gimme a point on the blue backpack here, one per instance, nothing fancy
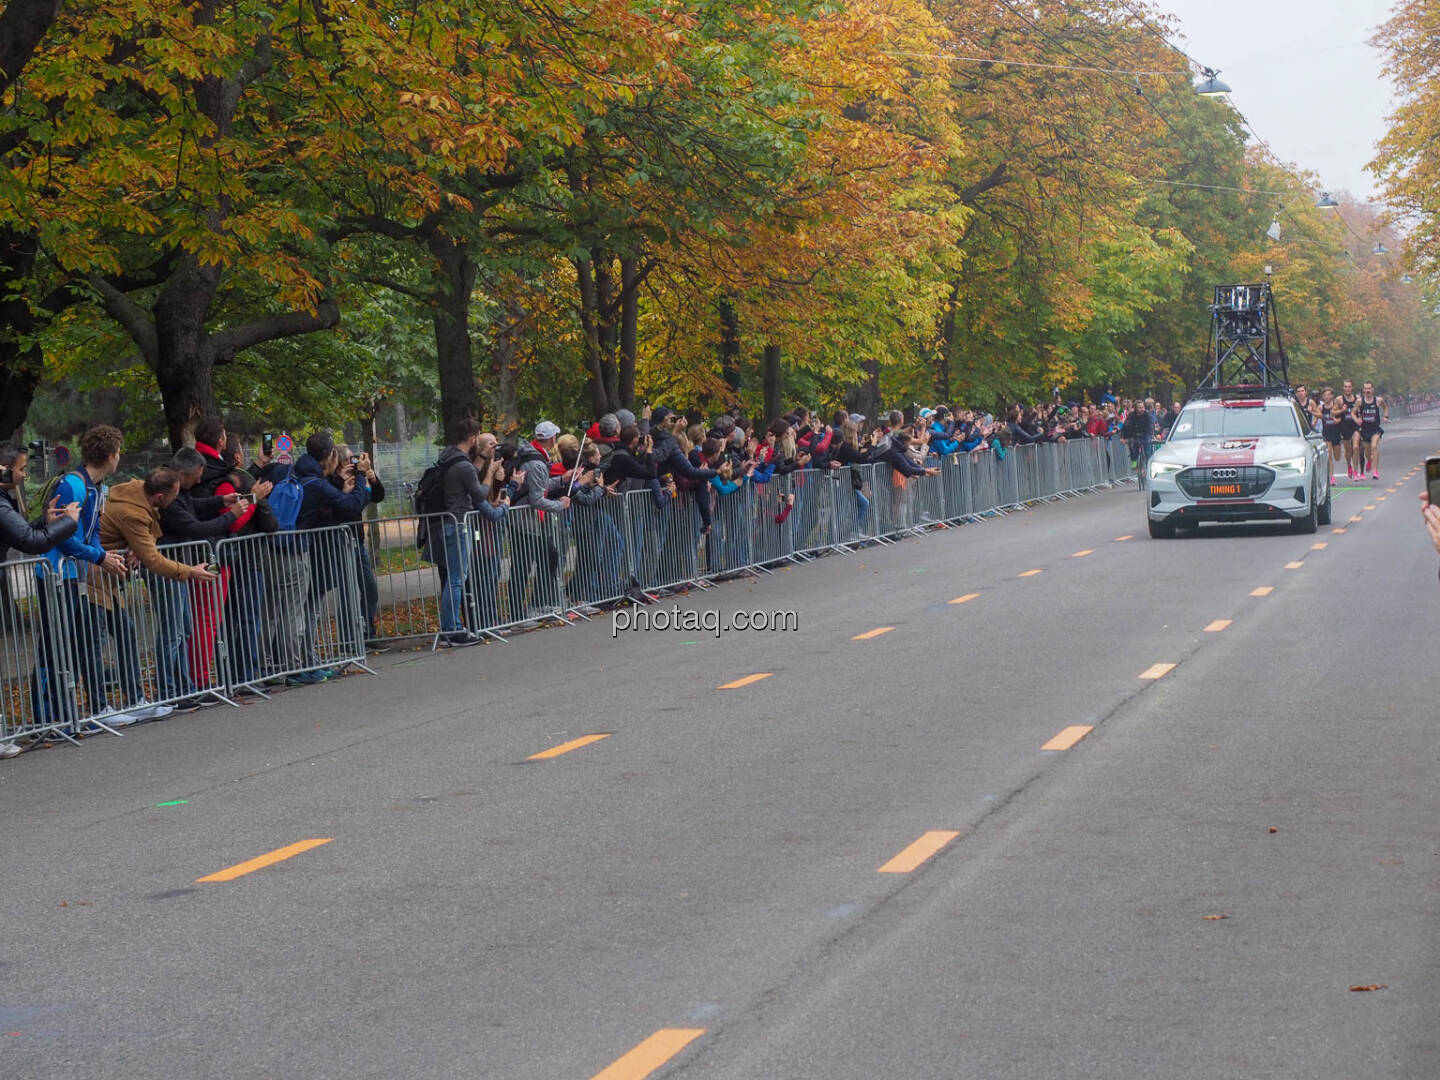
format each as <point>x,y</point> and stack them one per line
<point>286,498</point>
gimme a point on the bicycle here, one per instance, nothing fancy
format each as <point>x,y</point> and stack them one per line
<point>1140,455</point>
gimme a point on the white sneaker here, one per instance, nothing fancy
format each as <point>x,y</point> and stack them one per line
<point>151,712</point>
<point>119,719</point>
<point>10,750</point>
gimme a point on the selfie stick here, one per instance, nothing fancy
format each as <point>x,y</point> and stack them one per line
<point>576,471</point>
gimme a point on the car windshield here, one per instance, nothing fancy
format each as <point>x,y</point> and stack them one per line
<point>1210,420</point>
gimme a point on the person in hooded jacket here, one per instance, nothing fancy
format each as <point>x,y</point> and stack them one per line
<point>533,533</point>
<point>447,547</point>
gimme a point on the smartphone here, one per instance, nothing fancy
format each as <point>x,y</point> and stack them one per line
<point>214,568</point>
<point>269,443</point>
<point>1432,479</point>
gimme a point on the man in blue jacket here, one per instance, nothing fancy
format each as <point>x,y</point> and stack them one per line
<point>70,625</point>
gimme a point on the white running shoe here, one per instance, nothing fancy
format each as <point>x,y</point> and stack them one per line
<point>10,750</point>
<point>151,712</point>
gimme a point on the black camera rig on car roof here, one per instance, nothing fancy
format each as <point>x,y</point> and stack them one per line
<point>1247,353</point>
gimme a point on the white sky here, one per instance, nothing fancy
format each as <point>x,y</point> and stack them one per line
<point>1302,73</point>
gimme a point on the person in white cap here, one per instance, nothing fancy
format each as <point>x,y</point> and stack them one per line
<point>535,549</point>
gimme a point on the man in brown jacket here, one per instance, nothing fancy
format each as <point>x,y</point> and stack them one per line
<point>131,520</point>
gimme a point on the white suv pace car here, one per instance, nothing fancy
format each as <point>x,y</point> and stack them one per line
<point>1246,454</point>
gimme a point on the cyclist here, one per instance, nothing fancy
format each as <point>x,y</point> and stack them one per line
<point>1138,431</point>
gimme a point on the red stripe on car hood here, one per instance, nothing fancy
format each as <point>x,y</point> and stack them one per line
<point>1229,452</point>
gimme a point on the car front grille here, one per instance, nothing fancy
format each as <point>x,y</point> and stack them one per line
<point>1226,481</point>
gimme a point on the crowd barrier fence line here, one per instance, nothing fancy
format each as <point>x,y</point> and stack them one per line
<point>76,647</point>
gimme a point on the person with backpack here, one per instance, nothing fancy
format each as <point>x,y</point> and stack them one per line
<point>56,524</point>
<point>448,490</point>
<point>71,626</point>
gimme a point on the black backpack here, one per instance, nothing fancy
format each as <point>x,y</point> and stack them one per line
<point>429,497</point>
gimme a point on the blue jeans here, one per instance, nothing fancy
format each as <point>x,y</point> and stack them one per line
<point>862,511</point>
<point>454,568</point>
<point>70,642</point>
<point>170,601</point>
<point>243,606</point>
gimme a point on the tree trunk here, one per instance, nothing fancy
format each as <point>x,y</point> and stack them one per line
<point>865,398</point>
<point>451,315</point>
<point>590,325</point>
<point>20,364</point>
<point>730,348</point>
<point>771,381</point>
<point>182,358</point>
<point>948,328</point>
<point>629,327</point>
<point>505,363</point>
<point>608,313</point>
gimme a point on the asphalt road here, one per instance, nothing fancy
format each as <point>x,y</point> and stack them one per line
<point>1191,889</point>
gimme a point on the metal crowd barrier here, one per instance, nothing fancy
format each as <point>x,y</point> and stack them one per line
<point>293,605</point>
<point>32,673</point>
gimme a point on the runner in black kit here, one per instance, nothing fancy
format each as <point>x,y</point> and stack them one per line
<point>1331,413</point>
<point>1350,430</point>
<point>1369,412</point>
<point>1309,406</point>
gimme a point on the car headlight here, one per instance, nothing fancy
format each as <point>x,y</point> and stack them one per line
<point>1163,468</point>
<point>1290,465</point>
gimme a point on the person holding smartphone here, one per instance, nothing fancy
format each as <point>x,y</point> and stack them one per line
<point>1430,500</point>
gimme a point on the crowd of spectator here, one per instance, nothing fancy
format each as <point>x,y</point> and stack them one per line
<point>91,533</point>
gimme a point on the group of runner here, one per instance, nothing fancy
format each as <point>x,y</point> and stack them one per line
<point>1350,424</point>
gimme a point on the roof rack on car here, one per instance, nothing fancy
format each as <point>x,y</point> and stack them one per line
<point>1237,393</point>
<point>1247,353</point>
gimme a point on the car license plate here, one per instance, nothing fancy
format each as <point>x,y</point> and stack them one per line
<point>1219,490</point>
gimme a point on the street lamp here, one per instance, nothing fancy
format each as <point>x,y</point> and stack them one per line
<point>1325,202</point>
<point>1212,86</point>
<point>1380,249</point>
<point>1273,232</point>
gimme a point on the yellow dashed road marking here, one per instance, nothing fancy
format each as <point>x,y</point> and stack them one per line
<point>1068,737</point>
<point>262,861</point>
<point>918,852</point>
<point>650,1054</point>
<point>746,681</point>
<point>566,747</point>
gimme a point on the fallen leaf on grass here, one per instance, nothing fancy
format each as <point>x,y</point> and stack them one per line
<point>1371,986</point>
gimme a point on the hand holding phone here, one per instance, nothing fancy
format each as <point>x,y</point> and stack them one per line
<point>1432,479</point>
